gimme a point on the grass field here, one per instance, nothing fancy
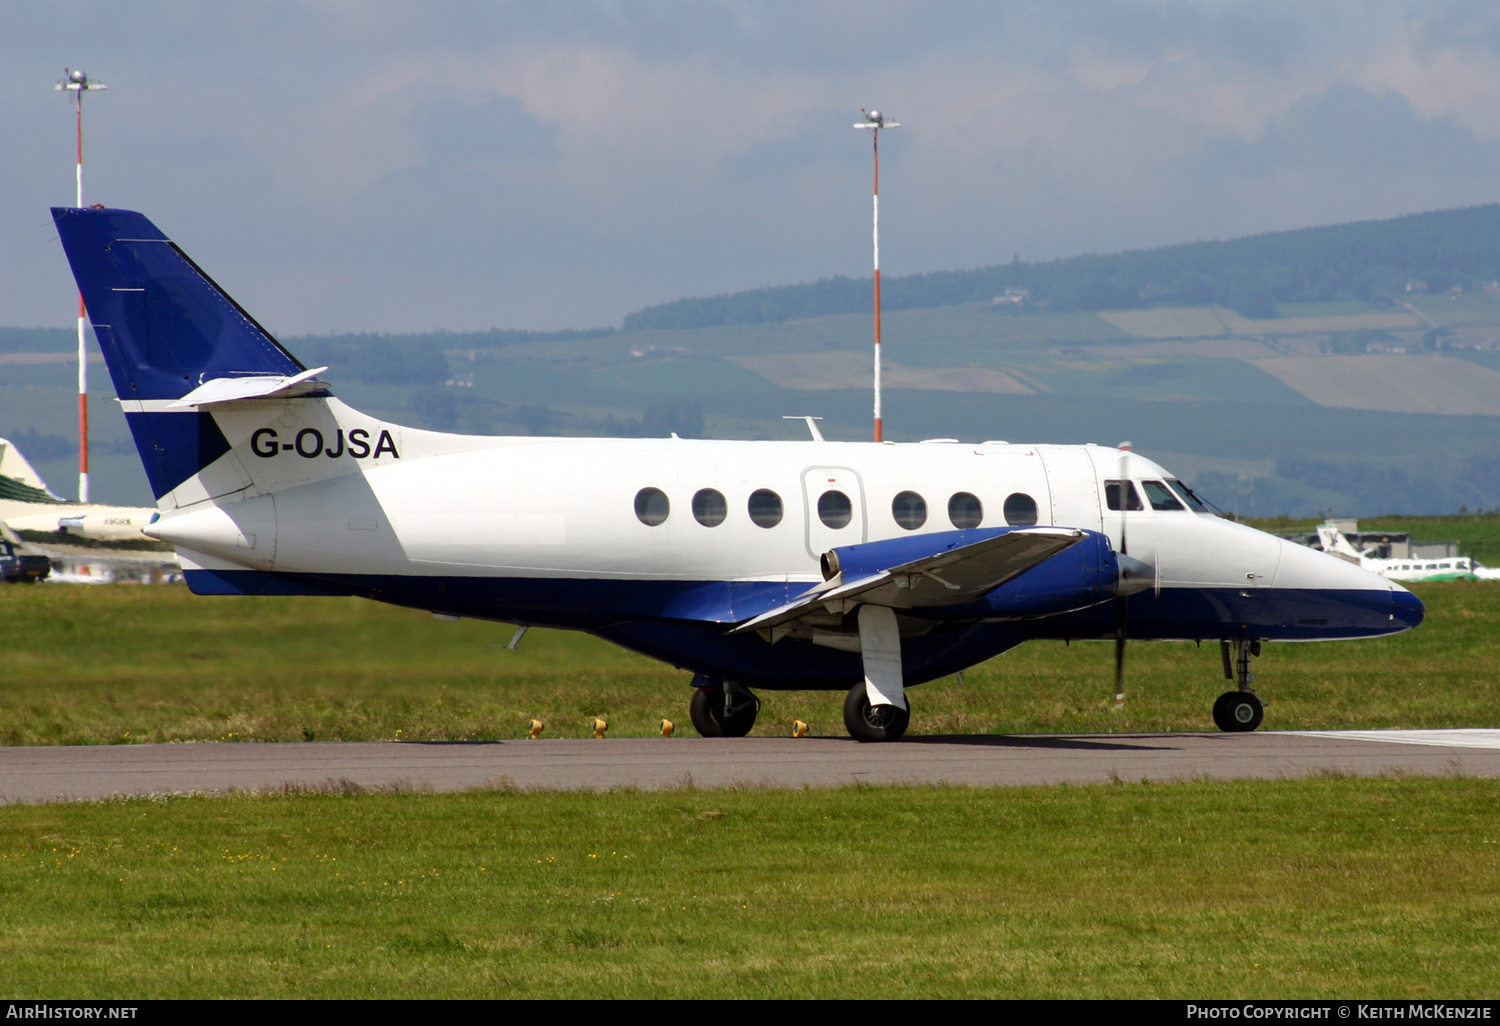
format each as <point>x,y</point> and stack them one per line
<point>1380,888</point>
<point>1400,384</point>
<point>112,665</point>
<point>1330,887</point>
<point>1167,322</point>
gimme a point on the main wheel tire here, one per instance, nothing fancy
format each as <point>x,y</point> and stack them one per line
<point>866,722</point>
<point>707,712</point>
<point>1238,712</point>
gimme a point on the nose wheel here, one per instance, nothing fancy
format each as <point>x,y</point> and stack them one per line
<point>1238,712</point>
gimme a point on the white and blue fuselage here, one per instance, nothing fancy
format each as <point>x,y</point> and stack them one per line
<point>547,531</point>
<point>812,564</point>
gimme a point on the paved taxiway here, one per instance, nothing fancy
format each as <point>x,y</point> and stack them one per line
<point>46,774</point>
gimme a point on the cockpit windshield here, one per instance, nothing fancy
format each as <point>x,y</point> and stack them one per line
<point>1161,497</point>
<point>1188,496</point>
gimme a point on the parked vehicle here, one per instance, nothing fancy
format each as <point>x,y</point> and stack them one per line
<point>16,568</point>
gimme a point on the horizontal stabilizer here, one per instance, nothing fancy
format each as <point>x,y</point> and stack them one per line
<point>960,572</point>
<point>259,386</point>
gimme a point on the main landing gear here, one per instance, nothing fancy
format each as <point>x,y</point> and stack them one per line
<point>866,722</point>
<point>1239,711</point>
<point>875,710</point>
<point>722,709</point>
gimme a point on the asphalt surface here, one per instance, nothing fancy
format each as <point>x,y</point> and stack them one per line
<point>46,774</point>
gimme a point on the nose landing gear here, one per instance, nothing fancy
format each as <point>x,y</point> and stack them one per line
<point>1239,711</point>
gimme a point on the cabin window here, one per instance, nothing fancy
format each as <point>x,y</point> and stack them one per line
<point>651,506</point>
<point>965,510</point>
<point>1187,495</point>
<point>835,509</point>
<point>1020,510</point>
<point>910,510</point>
<point>709,507</point>
<point>1161,497</point>
<point>1121,495</point>
<point>765,508</point>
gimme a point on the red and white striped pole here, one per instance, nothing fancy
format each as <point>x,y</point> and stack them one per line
<point>76,83</point>
<point>875,121</point>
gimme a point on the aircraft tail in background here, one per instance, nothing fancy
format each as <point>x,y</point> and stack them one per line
<point>19,481</point>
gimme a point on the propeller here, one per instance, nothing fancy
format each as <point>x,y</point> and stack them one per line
<point>1122,604</point>
<point>1135,575</point>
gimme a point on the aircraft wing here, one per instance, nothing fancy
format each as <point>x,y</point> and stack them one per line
<point>961,572</point>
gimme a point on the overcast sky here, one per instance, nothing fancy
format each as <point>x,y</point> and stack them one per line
<point>352,165</point>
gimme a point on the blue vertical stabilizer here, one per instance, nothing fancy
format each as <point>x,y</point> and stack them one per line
<point>165,328</point>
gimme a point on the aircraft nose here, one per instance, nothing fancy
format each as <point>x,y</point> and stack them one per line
<point>1406,608</point>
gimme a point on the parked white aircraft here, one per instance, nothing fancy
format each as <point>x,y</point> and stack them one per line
<point>52,525</point>
<point>1409,568</point>
<point>776,565</point>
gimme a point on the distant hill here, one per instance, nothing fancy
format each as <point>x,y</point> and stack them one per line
<point>411,359</point>
<point>1367,260</point>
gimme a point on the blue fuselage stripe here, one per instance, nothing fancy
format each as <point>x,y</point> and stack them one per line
<point>686,623</point>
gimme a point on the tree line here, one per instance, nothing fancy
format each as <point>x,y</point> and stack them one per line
<point>1369,260</point>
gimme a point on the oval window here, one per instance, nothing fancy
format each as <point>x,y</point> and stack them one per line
<point>965,510</point>
<point>1020,510</point>
<point>709,507</point>
<point>835,510</point>
<point>765,508</point>
<point>910,510</point>
<point>651,506</point>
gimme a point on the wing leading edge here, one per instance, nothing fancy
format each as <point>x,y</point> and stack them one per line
<point>955,570</point>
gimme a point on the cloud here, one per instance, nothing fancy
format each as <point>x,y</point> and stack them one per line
<point>1445,68</point>
<point>377,165</point>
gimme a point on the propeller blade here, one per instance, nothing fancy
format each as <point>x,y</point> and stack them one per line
<point>1121,605</point>
<point>1121,597</point>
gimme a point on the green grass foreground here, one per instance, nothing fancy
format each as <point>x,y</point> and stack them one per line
<point>1384,888</point>
<point>112,665</point>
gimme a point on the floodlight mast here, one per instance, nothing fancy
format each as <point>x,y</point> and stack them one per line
<point>75,84</point>
<point>875,121</point>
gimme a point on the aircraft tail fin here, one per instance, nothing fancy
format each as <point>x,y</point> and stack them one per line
<point>19,481</point>
<point>165,326</point>
<point>168,331</point>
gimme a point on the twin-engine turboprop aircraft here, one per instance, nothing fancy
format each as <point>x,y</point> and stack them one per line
<point>775,565</point>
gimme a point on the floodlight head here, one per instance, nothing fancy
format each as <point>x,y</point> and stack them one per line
<point>76,83</point>
<point>874,116</point>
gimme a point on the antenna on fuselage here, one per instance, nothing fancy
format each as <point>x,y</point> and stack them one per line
<point>812,426</point>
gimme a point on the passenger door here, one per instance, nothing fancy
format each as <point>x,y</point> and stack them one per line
<point>833,504</point>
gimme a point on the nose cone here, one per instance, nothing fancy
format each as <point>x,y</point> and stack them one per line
<point>1406,608</point>
<point>1329,598</point>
